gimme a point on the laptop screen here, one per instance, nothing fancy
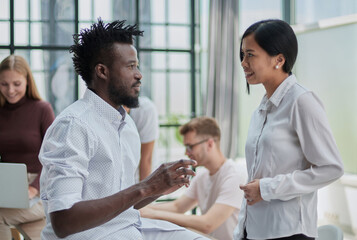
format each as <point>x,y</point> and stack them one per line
<point>13,185</point>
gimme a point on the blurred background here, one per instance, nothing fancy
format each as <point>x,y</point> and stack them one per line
<point>189,58</point>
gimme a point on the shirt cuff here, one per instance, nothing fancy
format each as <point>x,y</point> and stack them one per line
<point>65,202</point>
<point>265,190</point>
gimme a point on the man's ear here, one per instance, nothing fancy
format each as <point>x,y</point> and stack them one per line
<point>101,71</point>
<point>211,143</point>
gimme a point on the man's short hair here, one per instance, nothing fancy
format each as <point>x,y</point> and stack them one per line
<point>203,126</point>
<point>94,45</point>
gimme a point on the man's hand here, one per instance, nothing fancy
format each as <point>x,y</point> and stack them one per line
<point>252,192</point>
<point>91,213</point>
<point>169,177</point>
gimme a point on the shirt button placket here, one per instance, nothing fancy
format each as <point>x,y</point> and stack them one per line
<point>263,117</point>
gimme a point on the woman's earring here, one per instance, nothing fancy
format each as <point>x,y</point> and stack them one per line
<point>277,66</point>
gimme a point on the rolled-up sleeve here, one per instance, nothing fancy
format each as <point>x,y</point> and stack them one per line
<point>65,154</point>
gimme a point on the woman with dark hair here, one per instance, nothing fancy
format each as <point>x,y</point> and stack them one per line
<point>290,149</point>
<point>24,119</point>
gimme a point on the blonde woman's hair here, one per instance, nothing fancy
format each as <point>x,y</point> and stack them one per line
<point>19,64</point>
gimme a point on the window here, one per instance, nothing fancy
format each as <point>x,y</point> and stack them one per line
<point>169,53</point>
<point>41,32</point>
<point>312,11</point>
<point>251,11</point>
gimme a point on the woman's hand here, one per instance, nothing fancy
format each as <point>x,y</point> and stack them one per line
<point>32,192</point>
<point>252,192</point>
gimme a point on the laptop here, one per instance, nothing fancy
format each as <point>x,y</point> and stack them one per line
<point>13,186</point>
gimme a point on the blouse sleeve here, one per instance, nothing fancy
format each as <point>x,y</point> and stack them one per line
<point>47,117</point>
<point>309,120</point>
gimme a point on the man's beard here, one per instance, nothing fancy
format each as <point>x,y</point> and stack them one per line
<point>119,96</point>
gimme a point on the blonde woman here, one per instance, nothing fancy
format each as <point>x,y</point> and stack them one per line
<point>24,119</point>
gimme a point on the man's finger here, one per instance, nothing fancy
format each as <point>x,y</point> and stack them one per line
<point>181,181</point>
<point>185,171</point>
<point>184,163</point>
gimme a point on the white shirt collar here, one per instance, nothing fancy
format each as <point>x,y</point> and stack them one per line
<point>114,116</point>
<point>278,94</point>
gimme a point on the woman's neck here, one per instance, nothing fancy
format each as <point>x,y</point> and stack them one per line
<point>272,85</point>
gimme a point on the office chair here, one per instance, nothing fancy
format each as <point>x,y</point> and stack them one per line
<point>329,232</point>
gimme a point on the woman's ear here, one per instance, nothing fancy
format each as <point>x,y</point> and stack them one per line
<point>101,71</point>
<point>279,61</point>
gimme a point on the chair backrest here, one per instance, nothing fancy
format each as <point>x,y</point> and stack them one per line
<point>329,232</point>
